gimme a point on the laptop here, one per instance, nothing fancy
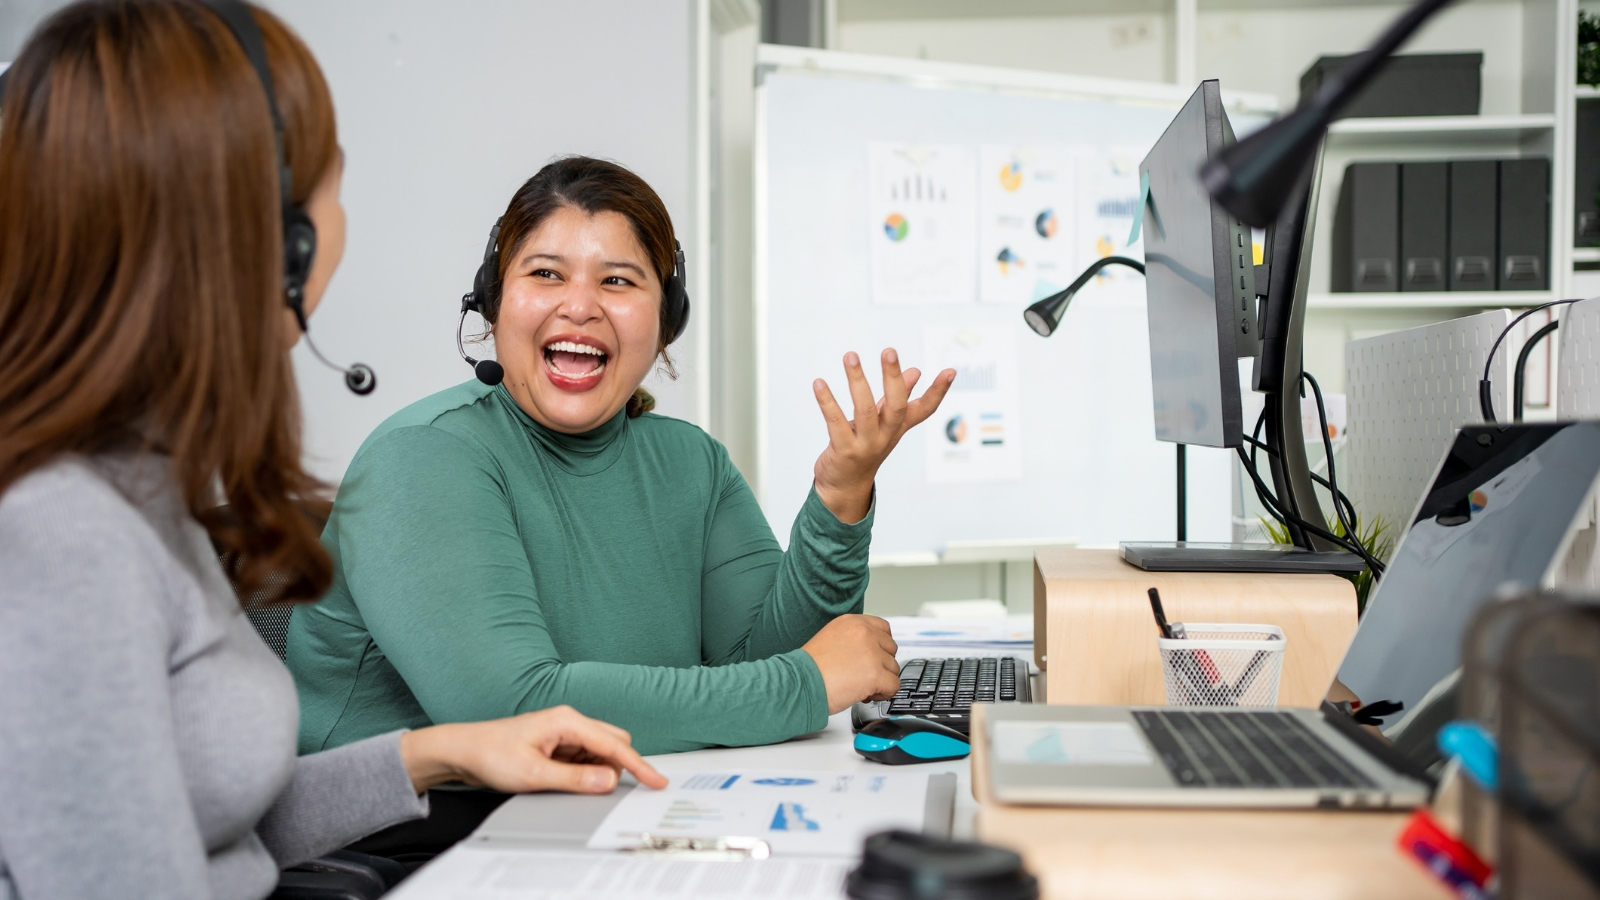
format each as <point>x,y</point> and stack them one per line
<point>1499,516</point>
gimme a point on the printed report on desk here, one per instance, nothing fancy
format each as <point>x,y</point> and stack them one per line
<point>797,813</point>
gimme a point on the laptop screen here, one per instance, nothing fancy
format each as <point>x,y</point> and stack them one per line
<point>1498,512</point>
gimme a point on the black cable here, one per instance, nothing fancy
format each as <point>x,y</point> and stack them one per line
<point>1339,496</point>
<point>1333,482</point>
<point>1282,516</point>
<point>1522,366</point>
<point>1276,510</point>
<point>1485,402</point>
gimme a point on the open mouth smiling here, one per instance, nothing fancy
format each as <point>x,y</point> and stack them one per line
<point>575,363</point>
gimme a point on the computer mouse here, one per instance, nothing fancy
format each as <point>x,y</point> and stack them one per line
<point>901,740</point>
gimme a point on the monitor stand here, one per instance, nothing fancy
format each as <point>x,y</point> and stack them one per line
<point>1193,556</point>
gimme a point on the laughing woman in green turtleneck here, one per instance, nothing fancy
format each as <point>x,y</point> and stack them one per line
<point>548,541</point>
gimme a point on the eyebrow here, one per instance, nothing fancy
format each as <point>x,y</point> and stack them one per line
<point>556,257</point>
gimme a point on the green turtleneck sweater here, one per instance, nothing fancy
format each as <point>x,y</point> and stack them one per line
<point>485,566</point>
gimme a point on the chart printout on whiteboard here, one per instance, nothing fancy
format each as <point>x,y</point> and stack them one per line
<point>977,433</point>
<point>1108,200</point>
<point>921,228</point>
<point>1027,219</point>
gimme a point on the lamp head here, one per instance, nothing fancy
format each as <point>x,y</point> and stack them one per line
<point>1044,316</point>
<point>1255,178</point>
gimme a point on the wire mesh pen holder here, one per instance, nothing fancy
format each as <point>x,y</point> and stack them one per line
<point>1210,664</point>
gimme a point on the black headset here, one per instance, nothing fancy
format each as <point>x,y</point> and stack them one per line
<point>299,235</point>
<point>486,291</point>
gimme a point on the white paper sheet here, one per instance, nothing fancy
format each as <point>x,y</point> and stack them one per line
<point>1027,219</point>
<point>797,813</point>
<point>921,229</point>
<point>1108,199</point>
<point>976,435</point>
<point>1010,633</point>
<point>1071,744</point>
<point>477,872</point>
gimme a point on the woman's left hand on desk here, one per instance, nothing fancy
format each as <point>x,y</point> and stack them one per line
<point>857,447</point>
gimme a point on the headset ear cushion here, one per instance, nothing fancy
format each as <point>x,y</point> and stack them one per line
<point>675,299</point>
<point>299,250</point>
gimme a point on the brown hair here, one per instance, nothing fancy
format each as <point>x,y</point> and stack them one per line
<point>592,186</point>
<point>141,263</point>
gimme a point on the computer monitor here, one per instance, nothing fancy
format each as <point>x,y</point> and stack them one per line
<point>1199,280</point>
<point>1202,291</point>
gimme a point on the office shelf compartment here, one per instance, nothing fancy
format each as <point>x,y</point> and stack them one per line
<point>1446,132</point>
<point>1458,300</point>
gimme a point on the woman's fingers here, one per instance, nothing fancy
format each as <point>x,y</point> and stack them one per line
<point>866,418</point>
<point>596,738</point>
<point>923,407</point>
<point>839,430</point>
<point>579,778</point>
<point>895,391</point>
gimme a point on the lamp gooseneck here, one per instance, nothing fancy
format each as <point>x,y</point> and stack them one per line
<point>1046,314</point>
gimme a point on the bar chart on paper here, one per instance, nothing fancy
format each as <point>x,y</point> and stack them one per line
<point>796,813</point>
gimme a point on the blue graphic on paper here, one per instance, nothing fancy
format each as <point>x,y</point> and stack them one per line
<point>784,782</point>
<point>792,817</point>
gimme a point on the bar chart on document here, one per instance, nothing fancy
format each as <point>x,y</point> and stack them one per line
<point>796,813</point>
<point>921,226</point>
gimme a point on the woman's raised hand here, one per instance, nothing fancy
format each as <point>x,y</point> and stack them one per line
<point>556,749</point>
<point>858,446</point>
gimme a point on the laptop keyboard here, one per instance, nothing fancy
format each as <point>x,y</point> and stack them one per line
<point>1246,749</point>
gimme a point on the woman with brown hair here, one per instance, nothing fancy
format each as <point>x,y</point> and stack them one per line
<point>548,540</point>
<point>146,733</point>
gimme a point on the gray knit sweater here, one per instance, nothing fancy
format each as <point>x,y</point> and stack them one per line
<point>147,735</point>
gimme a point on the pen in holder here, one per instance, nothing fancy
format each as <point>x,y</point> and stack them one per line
<point>1208,664</point>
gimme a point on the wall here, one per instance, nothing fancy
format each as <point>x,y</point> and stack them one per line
<point>444,109</point>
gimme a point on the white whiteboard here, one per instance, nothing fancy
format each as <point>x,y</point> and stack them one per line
<point>1091,467</point>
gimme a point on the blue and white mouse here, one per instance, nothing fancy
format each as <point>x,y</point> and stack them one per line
<point>900,740</point>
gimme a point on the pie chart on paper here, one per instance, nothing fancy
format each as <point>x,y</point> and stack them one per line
<point>895,227</point>
<point>1011,175</point>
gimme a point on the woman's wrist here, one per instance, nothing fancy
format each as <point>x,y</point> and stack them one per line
<point>849,504</point>
<point>429,757</point>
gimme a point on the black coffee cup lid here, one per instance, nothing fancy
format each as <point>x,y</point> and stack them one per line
<point>900,865</point>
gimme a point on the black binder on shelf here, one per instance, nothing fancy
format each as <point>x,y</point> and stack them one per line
<point>1366,232</point>
<point>1586,175</point>
<point>1524,225</point>
<point>1424,223</point>
<point>1474,224</point>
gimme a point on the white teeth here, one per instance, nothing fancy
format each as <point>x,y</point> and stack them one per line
<point>551,365</point>
<point>571,347</point>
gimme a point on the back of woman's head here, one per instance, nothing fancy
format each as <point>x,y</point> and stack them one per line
<point>141,261</point>
<point>592,186</point>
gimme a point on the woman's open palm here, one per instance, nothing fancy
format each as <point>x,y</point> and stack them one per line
<point>857,446</point>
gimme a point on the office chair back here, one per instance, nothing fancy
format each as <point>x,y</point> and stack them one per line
<point>271,619</point>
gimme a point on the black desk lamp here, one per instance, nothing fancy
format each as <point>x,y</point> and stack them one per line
<point>1045,315</point>
<point>1254,178</point>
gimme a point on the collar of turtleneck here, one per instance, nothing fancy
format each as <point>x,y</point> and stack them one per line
<point>589,453</point>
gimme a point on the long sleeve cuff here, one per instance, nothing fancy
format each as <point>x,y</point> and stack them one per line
<point>820,519</point>
<point>339,796</point>
<point>813,690</point>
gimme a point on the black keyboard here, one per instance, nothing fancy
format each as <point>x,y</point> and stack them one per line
<point>1245,749</point>
<point>943,690</point>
